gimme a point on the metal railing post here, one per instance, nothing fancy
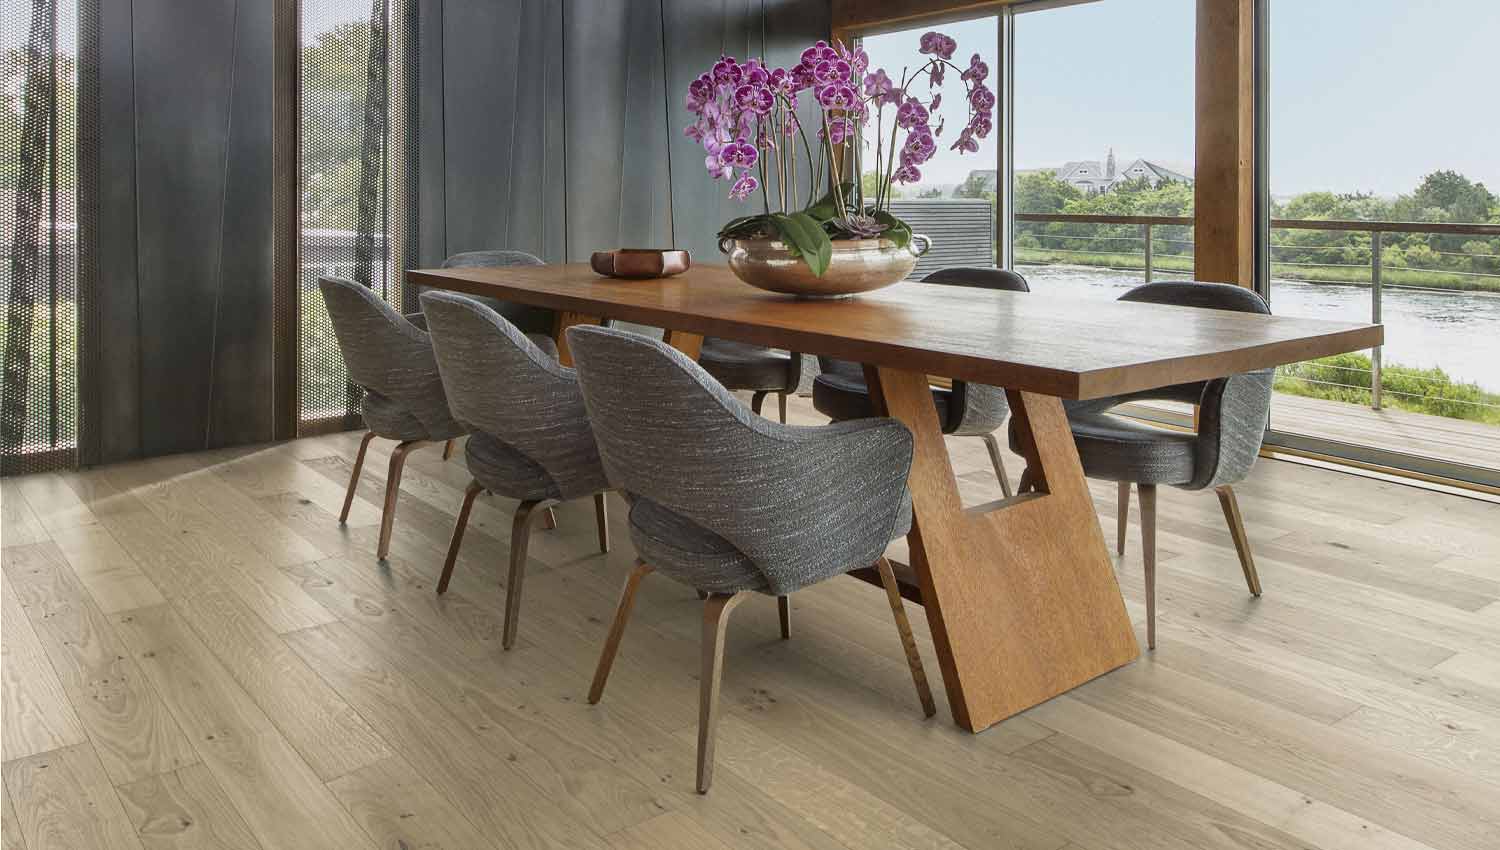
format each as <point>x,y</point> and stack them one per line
<point>1375,294</point>
<point>1146,231</point>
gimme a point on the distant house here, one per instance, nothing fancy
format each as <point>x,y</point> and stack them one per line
<point>1088,176</point>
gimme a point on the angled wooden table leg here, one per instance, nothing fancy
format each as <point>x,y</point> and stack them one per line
<point>1020,594</point>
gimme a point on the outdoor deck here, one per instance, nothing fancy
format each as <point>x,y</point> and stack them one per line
<point>1436,437</point>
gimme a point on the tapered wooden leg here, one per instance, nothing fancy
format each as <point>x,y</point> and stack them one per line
<point>994,446</point>
<point>601,517</point>
<point>359,464</point>
<point>1123,518</point>
<point>784,611</point>
<point>702,594</point>
<point>1231,506</point>
<point>781,406</point>
<point>392,491</point>
<point>1028,481</point>
<point>1148,553</point>
<point>715,621</point>
<point>447,450</point>
<point>756,400</point>
<point>617,630</point>
<point>908,641</point>
<point>520,540</point>
<point>474,489</point>
<point>549,519</point>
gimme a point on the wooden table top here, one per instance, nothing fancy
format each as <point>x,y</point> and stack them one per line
<point>1057,345</point>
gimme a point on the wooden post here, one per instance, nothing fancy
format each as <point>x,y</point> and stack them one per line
<point>1224,179</point>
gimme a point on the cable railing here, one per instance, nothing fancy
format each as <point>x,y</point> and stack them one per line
<point>1363,261</point>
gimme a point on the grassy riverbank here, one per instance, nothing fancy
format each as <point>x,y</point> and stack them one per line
<point>1346,378</point>
<point>1168,265</point>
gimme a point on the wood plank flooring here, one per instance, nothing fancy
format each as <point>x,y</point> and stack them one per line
<point>196,655</point>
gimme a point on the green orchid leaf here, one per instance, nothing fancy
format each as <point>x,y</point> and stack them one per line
<point>896,230</point>
<point>805,236</point>
<point>827,207</point>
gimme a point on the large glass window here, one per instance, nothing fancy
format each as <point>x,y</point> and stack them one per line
<point>356,84</point>
<point>1383,180</point>
<point>39,229</point>
<point>1104,132</point>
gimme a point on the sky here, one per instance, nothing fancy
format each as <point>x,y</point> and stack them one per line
<point>1366,95</point>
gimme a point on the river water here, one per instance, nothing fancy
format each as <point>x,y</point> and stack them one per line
<point>1456,331</point>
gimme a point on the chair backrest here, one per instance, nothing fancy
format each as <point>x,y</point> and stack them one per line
<point>498,382</point>
<point>797,501</point>
<point>386,354</point>
<point>979,278</point>
<point>524,316</point>
<point>977,408</point>
<point>1233,410</point>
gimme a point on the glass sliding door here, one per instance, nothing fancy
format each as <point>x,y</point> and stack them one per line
<point>356,83</point>
<point>1383,206</point>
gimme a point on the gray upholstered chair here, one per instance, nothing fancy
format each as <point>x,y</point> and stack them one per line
<point>966,410</point>
<point>390,356</point>
<point>529,437</point>
<point>529,319</point>
<point>1232,415</point>
<point>732,504</point>
<point>761,370</point>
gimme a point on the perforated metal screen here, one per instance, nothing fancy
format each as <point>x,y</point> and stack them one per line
<point>39,226</point>
<point>357,71</point>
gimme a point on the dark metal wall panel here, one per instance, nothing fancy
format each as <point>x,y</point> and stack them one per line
<point>431,189</point>
<point>203,78</point>
<point>537,218</point>
<point>117,418</point>
<point>617,166</point>
<point>241,403</point>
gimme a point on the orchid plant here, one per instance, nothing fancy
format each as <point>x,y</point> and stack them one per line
<point>746,120</point>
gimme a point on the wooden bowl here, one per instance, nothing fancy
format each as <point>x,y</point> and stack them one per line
<point>640,263</point>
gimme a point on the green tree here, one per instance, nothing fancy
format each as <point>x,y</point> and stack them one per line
<point>1041,192</point>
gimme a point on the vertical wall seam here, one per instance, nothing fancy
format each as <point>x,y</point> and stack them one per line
<point>666,106</point>
<point>213,340</point>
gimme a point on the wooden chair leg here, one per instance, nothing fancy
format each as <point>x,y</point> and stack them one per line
<point>702,594</point>
<point>994,446</point>
<point>1231,506</point>
<point>474,489</point>
<point>756,400</point>
<point>1123,518</point>
<point>908,641</point>
<point>520,540</point>
<point>392,491</point>
<point>1148,552</point>
<point>359,464</point>
<point>447,450</point>
<point>715,621</point>
<point>617,630</point>
<point>1028,481</point>
<point>549,519</point>
<point>781,406</point>
<point>784,612</point>
<point>601,517</point>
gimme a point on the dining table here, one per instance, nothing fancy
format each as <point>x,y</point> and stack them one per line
<point>1020,593</point>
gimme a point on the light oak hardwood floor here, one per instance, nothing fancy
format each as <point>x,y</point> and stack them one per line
<point>196,655</point>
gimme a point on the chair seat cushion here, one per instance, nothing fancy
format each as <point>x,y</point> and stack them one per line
<point>841,397</point>
<point>505,471</point>
<point>690,553</point>
<point>741,366</point>
<point>1114,448</point>
<point>394,422</point>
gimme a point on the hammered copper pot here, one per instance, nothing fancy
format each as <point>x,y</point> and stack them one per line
<point>858,265</point>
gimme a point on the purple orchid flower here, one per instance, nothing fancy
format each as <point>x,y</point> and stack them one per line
<point>837,96</point>
<point>907,174</point>
<point>839,130</point>
<point>911,113</point>
<point>937,44</point>
<point>832,71</point>
<point>756,99</point>
<point>744,187</point>
<point>965,142</point>
<point>739,154</point>
<point>726,70</point>
<point>978,72</point>
<point>981,126</point>
<point>982,99</point>
<point>881,89</point>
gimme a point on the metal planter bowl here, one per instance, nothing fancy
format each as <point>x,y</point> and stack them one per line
<point>858,265</point>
